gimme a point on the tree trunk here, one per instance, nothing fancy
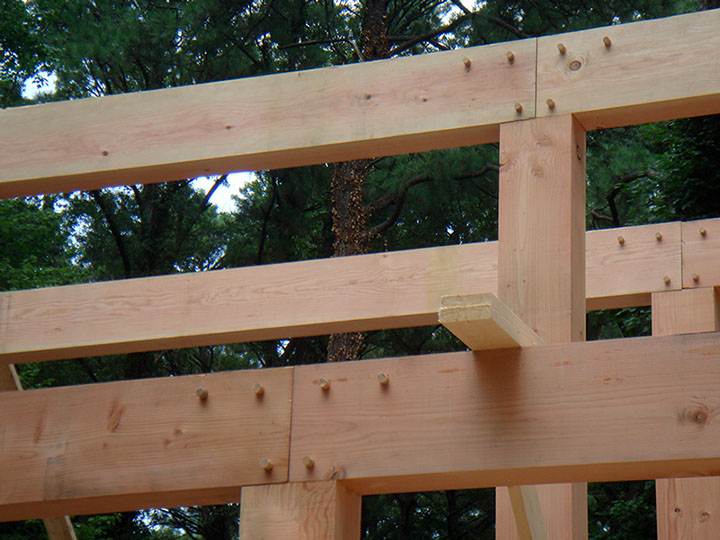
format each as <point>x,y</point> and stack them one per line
<point>348,213</point>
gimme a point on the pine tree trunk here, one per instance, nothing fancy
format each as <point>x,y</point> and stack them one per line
<point>348,213</point>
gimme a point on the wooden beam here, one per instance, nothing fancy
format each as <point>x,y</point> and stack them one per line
<point>527,511</point>
<point>541,277</point>
<point>302,511</point>
<point>447,421</point>
<point>512,416</point>
<point>57,528</point>
<point>687,507</point>
<point>139,444</point>
<point>387,290</point>
<point>651,71</point>
<point>624,266</point>
<point>482,322</point>
<point>700,248</point>
<point>369,292</point>
<point>396,106</point>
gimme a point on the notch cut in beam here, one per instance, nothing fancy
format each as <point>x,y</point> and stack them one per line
<point>482,322</point>
<point>449,421</point>
<point>347,294</point>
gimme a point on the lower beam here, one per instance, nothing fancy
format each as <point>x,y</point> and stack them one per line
<point>302,511</point>
<point>600,411</point>
<point>141,444</point>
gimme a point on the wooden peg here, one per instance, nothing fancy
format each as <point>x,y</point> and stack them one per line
<point>658,236</point>
<point>518,107</point>
<point>266,464</point>
<point>621,240</point>
<point>510,56</point>
<point>324,384</point>
<point>202,393</point>
<point>468,63</point>
<point>383,379</point>
<point>607,41</point>
<point>258,389</point>
<point>666,279</point>
<point>561,47</point>
<point>695,277</point>
<point>550,103</point>
<point>308,462</point>
<point>703,232</point>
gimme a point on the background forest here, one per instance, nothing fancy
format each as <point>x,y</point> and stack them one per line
<point>643,174</point>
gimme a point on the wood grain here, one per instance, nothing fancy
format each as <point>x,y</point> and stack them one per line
<point>513,416</point>
<point>654,70</point>
<point>369,292</point>
<point>482,322</point>
<point>57,528</point>
<point>396,106</point>
<point>624,275</point>
<point>139,444</point>
<point>300,511</point>
<point>687,507</point>
<point>387,290</point>
<point>541,277</point>
<point>541,226</point>
<point>700,252</point>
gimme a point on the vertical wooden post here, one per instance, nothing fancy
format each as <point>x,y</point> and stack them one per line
<point>300,511</point>
<point>59,528</point>
<point>687,507</point>
<point>541,269</point>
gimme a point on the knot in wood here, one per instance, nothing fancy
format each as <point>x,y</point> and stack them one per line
<point>703,517</point>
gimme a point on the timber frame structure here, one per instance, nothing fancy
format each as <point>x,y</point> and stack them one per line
<point>300,445</point>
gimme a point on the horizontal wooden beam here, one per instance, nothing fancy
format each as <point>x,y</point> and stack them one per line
<point>285,120</point>
<point>445,421</point>
<point>386,290</point>
<point>652,70</point>
<point>139,444</point>
<point>368,292</point>
<point>633,73</point>
<point>483,323</point>
<point>599,411</point>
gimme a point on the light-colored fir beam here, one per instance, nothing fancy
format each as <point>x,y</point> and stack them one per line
<point>300,511</point>
<point>687,507</point>
<point>700,248</point>
<point>367,292</point>
<point>632,73</point>
<point>446,421</point>
<point>541,277</point>
<point>482,322</point>
<point>57,528</point>
<point>397,106</point>
<point>152,443</point>
<point>527,512</point>
<point>512,416</point>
